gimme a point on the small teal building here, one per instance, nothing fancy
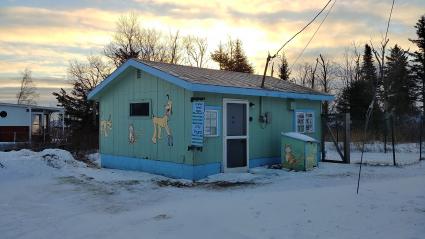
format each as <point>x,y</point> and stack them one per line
<point>188,122</point>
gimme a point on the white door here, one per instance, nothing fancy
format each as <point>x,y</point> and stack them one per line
<point>235,135</point>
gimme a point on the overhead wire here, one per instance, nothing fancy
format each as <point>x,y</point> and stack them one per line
<point>314,34</point>
<point>269,57</point>
<point>302,29</point>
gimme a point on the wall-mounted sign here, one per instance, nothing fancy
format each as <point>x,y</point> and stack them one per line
<point>198,109</point>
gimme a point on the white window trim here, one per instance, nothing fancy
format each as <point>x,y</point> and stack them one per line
<point>313,128</point>
<point>216,126</point>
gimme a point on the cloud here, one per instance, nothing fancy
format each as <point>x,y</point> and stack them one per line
<point>46,34</point>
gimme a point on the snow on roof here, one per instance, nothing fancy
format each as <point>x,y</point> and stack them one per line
<point>299,136</point>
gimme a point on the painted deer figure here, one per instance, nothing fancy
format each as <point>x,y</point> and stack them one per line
<point>162,122</point>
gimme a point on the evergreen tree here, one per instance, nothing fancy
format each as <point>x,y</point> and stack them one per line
<point>401,97</point>
<point>369,74</point>
<point>84,78</point>
<point>239,59</point>
<point>368,69</point>
<point>418,67</point>
<point>355,99</point>
<point>221,57</point>
<point>284,68</point>
<point>232,57</point>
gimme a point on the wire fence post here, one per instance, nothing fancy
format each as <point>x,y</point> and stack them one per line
<point>347,138</point>
<point>393,138</point>
<point>420,137</point>
<point>324,118</point>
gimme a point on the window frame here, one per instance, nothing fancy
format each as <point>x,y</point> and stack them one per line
<point>218,120</point>
<point>305,113</point>
<point>140,102</point>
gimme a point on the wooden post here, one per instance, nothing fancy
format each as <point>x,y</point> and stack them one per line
<point>63,125</point>
<point>347,138</point>
<point>392,138</point>
<point>30,125</point>
<point>420,138</point>
<point>322,145</point>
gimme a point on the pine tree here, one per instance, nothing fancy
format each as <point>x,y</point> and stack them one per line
<point>284,68</point>
<point>355,99</point>
<point>84,77</point>
<point>239,60</point>
<point>369,74</point>
<point>401,97</point>
<point>418,67</point>
<point>220,56</point>
<point>368,69</point>
<point>232,57</point>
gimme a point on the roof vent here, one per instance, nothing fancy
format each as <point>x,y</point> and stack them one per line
<point>139,74</point>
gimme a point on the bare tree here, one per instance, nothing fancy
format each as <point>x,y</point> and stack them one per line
<point>349,70</point>
<point>302,74</point>
<point>174,45</point>
<point>326,77</point>
<point>313,74</point>
<point>126,41</point>
<point>196,50</point>
<point>27,91</point>
<point>84,77</point>
<point>151,47</point>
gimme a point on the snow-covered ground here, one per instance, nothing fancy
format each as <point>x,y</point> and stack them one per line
<point>50,195</point>
<point>405,154</point>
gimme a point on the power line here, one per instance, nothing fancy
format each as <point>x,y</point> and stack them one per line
<point>290,39</point>
<point>314,34</point>
<point>308,24</point>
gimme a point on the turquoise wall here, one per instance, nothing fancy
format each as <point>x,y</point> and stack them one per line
<point>264,140</point>
<point>115,101</point>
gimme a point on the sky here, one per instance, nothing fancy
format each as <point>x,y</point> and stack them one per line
<point>44,35</point>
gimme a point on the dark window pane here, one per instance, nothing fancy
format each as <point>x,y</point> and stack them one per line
<point>236,153</point>
<point>139,109</point>
<point>236,119</point>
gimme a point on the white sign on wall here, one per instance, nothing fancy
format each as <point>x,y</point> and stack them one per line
<point>198,109</point>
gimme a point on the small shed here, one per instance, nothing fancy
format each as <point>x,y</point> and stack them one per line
<point>299,151</point>
<point>189,122</point>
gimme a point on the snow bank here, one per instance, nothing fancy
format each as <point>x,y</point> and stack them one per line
<point>28,164</point>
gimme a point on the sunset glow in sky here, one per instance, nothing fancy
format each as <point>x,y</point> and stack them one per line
<point>45,35</point>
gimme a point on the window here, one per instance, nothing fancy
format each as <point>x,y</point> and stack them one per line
<point>211,123</point>
<point>139,109</point>
<point>304,122</point>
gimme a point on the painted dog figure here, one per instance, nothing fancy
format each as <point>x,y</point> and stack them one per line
<point>162,122</point>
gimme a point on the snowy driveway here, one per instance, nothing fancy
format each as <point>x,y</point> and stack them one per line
<point>56,197</point>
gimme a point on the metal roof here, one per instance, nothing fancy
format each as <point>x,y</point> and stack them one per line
<point>228,78</point>
<point>216,81</point>
<point>33,107</point>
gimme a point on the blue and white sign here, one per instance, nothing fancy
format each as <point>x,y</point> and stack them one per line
<point>198,109</point>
